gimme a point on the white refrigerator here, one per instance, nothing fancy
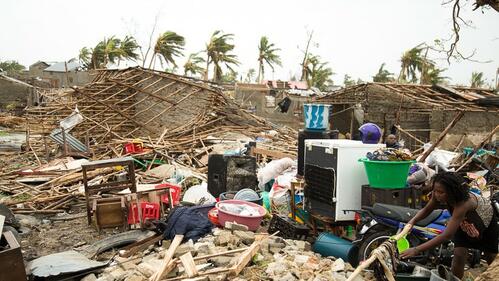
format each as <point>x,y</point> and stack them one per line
<point>334,176</point>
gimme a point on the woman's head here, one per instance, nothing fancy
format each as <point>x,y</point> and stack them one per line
<point>450,188</point>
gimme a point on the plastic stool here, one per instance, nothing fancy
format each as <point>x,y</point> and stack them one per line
<point>149,211</point>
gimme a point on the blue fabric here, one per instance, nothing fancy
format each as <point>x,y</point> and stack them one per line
<point>187,221</point>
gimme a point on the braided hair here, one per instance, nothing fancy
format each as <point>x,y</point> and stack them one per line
<point>456,186</point>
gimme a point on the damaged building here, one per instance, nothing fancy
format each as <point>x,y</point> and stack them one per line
<point>421,112</point>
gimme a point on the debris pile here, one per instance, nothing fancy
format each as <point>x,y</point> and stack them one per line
<point>219,252</point>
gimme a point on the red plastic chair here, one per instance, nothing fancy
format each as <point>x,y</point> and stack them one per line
<point>175,191</point>
<point>149,211</point>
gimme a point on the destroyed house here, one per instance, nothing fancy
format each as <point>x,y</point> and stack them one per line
<point>421,112</point>
<point>136,103</point>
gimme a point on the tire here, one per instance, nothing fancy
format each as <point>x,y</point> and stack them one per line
<point>373,240</point>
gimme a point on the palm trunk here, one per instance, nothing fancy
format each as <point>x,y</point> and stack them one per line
<point>207,67</point>
<point>259,73</point>
<point>152,59</point>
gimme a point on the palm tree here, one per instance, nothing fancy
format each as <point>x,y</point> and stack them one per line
<point>411,62</point>
<point>128,48</point>
<point>218,52</point>
<point>477,80</point>
<point>250,75</point>
<point>110,50</point>
<point>192,65</point>
<point>383,75</point>
<point>11,67</point>
<point>267,53</point>
<point>348,81</point>
<point>319,75</point>
<point>432,75</point>
<point>85,56</point>
<point>168,46</point>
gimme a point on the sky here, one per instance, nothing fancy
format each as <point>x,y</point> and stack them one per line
<point>354,36</point>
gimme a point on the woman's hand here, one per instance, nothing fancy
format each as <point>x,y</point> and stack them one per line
<point>409,253</point>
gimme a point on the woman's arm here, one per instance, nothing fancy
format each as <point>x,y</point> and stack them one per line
<point>423,213</point>
<point>458,216</point>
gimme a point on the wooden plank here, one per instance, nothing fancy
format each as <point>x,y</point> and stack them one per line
<point>442,135</point>
<point>189,265</point>
<point>168,257</point>
<point>245,258</point>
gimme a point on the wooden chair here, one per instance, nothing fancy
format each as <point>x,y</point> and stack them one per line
<point>110,212</point>
<point>91,190</point>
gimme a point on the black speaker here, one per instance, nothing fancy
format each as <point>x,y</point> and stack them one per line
<point>231,173</point>
<point>311,134</point>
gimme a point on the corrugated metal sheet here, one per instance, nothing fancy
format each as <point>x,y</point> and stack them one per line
<point>75,144</point>
<point>59,67</point>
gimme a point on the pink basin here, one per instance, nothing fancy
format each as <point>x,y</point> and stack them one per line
<point>252,222</point>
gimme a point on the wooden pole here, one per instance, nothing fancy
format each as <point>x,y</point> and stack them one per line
<point>458,146</point>
<point>442,135</point>
<point>408,134</point>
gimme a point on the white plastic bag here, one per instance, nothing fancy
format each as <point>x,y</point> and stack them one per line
<point>272,170</point>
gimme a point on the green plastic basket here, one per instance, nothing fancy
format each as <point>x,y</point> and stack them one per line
<point>387,174</point>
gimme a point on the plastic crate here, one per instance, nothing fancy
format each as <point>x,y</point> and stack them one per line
<point>288,228</point>
<point>406,197</point>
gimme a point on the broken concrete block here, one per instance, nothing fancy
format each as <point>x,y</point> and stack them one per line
<point>224,238</point>
<point>338,265</point>
<point>277,245</point>
<point>203,248</point>
<point>185,248</point>
<point>136,277</point>
<point>305,274</point>
<point>146,269</point>
<point>339,276</point>
<point>274,250</point>
<point>287,277</point>
<point>218,277</point>
<point>247,237</point>
<point>105,277</point>
<point>303,245</point>
<point>221,261</point>
<point>118,274</point>
<point>90,277</point>
<point>235,226</point>
<point>300,259</point>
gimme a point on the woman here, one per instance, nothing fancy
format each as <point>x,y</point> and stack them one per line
<point>473,223</point>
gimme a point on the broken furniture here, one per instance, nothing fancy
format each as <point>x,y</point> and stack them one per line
<point>128,181</point>
<point>150,205</point>
<point>110,212</point>
<point>12,265</point>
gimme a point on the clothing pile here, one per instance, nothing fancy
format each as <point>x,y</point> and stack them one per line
<point>389,154</point>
